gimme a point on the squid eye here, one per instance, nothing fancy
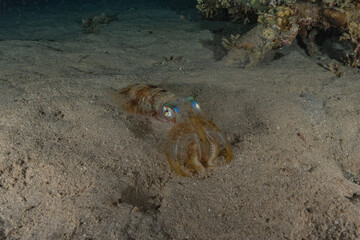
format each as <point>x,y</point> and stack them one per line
<point>193,102</point>
<point>168,112</point>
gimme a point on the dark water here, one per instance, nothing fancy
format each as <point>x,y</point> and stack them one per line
<point>53,20</point>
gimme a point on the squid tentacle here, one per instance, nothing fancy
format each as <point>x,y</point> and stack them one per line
<point>194,155</point>
<point>226,147</point>
<point>178,152</point>
<point>171,152</point>
<point>194,142</point>
<point>214,149</point>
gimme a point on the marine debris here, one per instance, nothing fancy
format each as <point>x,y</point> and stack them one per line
<point>281,21</point>
<point>93,24</point>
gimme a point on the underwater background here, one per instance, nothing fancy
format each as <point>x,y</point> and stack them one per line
<point>55,20</point>
<point>280,84</point>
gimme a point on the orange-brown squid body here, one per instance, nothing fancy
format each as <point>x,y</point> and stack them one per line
<point>194,142</point>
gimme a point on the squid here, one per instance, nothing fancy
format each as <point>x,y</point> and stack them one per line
<point>194,143</point>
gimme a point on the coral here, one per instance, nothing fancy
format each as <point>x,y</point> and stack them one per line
<point>227,9</point>
<point>280,25</point>
<point>232,42</point>
<point>269,34</point>
<point>354,36</point>
<point>284,20</point>
<point>212,8</point>
<point>248,50</point>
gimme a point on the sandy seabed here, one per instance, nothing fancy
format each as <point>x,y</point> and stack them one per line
<point>74,166</point>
